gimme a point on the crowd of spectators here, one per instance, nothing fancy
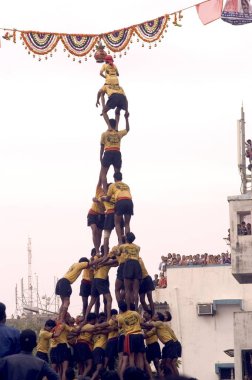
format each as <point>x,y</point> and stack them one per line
<point>244,229</point>
<point>173,259</point>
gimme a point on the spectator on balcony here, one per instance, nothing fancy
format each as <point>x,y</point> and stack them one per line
<point>156,281</point>
<point>190,260</point>
<point>183,260</point>
<point>248,228</point>
<point>162,281</point>
<point>163,265</point>
<point>243,229</point>
<point>169,259</point>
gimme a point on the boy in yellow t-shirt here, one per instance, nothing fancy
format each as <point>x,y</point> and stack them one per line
<point>44,337</point>
<point>111,73</point>
<point>110,153</point>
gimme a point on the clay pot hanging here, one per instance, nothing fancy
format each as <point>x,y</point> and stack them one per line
<point>100,53</point>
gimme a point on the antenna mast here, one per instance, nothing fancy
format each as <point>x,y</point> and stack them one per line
<point>241,151</point>
<point>30,289</point>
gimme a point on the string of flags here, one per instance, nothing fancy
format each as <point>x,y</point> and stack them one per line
<point>79,46</point>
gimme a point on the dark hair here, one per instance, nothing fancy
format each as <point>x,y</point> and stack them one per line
<point>91,317</point>
<point>110,375</point>
<point>130,237</point>
<point>161,317</point>
<point>132,307</point>
<point>50,323</point>
<point>122,306</point>
<point>112,123</point>
<point>70,374</point>
<point>83,260</point>
<point>134,373</point>
<point>28,340</point>
<point>168,316</point>
<point>117,176</point>
<point>114,312</point>
<point>102,249</point>
<point>102,315</point>
<point>2,311</point>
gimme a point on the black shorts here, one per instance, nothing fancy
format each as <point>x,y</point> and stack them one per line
<point>112,157</point>
<point>146,285</point>
<point>171,350</point>
<point>135,343</point>
<point>99,286</point>
<point>119,274</point>
<point>109,223</point>
<point>153,352</point>
<point>85,288</point>
<point>63,288</point>
<point>132,270</point>
<point>43,356</point>
<point>98,355</point>
<point>97,219</point>
<point>117,100</point>
<point>111,351</point>
<point>124,207</point>
<point>121,339</point>
<point>82,352</point>
<point>60,354</point>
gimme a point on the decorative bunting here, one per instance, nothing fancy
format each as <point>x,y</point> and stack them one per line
<point>40,43</point>
<point>118,40</point>
<point>78,45</point>
<point>151,31</point>
<point>237,12</point>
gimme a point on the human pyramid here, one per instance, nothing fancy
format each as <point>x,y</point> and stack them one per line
<point>98,338</point>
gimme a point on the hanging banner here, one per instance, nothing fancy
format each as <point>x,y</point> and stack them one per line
<point>40,43</point>
<point>209,11</point>
<point>237,12</point>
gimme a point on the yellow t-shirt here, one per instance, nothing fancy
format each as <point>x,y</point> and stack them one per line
<point>164,332</point>
<point>62,338</point>
<point>97,207</point>
<point>111,73</point>
<point>102,272</point>
<point>130,251</point>
<point>86,333</point>
<point>119,190</point>
<point>88,274</point>
<point>74,271</point>
<point>100,340</point>
<point>130,322</point>
<point>143,269</point>
<point>109,206</point>
<point>44,341</point>
<point>151,336</point>
<point>111,89</point>
<point>114,333</point>
<point>111,139</point>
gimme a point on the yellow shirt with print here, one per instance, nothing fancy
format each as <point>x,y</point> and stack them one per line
<point>97,207</point>
<point>119,190</point>
<point>86,333</point>
<point>109,205</point>
<point>130,251</point>
<point>102,272</point>
<point>44,341</point>
<point>111,89</point>
<point>164,332</point>
<point>74,271</point>
<point>151,336</point>
<point>111,73</point>
<point>62,338</point>
<point>100,340</point>
<point>111,139</point>
<point>143,268</point>
<point>130,322</point>
<point>114,333</point>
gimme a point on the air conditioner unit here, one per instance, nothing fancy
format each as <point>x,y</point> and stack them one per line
<point>205,309</point>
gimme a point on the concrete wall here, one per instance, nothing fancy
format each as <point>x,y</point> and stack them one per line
<point>242,338</point>
<point>241,246</point>
<point>204,338</point>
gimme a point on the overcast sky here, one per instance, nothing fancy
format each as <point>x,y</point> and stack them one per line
<point>179,159</point>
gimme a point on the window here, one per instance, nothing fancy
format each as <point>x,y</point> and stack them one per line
<point>244,223</point>
<point>246,364</point>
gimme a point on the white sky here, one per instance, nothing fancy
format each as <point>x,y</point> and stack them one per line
<point>179,158</point>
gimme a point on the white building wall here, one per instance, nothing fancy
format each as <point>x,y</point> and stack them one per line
<point>203,338</point>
